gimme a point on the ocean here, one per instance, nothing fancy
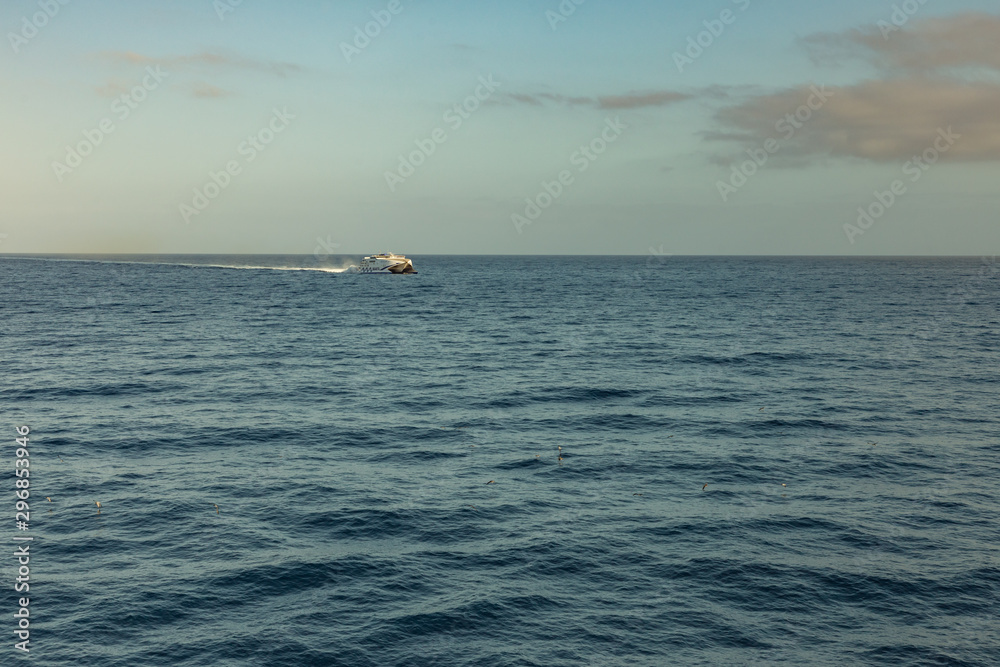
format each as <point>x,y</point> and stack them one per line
<point>504,461</point>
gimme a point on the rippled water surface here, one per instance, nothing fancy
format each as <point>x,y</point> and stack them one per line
<point>384,454</point>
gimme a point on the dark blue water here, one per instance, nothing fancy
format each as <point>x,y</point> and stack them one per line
<point>843,413</point>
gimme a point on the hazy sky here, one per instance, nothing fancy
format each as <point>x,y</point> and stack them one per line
<point>723,127</point>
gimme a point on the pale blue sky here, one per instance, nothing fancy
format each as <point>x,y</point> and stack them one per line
<point>657,185</point>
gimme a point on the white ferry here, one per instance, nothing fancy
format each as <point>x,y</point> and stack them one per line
<point>386,262</point>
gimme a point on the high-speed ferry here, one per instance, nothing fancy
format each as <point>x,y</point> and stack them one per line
<point>386,262</point>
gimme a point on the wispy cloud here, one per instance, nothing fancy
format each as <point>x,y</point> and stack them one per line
<point>114,88</point>
<point>541,99</point>
<point>640,100</point>
<point>208,91</point>
<point>199,89</point>
<point>627,101</point>
<point>203,59</point>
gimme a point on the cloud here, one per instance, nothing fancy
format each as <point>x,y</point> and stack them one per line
<point>939,73</point>
<point>524,99</point>
<point>539,99</point>
<point>929,45</point>
<point>640,100</point>
<point>874,120</point>
<point>206,59</point>
<point>617,102</point>
<point>114,88</point>
<point>208,91</point>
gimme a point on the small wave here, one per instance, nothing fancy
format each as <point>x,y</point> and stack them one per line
<point>269,268</point>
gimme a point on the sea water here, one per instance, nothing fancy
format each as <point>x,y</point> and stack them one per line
<point>503,461</point>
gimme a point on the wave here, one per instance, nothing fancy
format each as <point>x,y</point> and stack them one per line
<point>195,265</point>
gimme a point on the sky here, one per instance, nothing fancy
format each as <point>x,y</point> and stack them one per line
<point>746,127</point>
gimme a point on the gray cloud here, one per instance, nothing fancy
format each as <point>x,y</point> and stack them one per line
<point>615,102</point>
<point>874,120</point>
<point>923,46</point>
<point>640,100</point>
<point>934,74</point>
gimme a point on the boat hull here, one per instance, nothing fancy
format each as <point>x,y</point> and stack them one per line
<point>387,263</point>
